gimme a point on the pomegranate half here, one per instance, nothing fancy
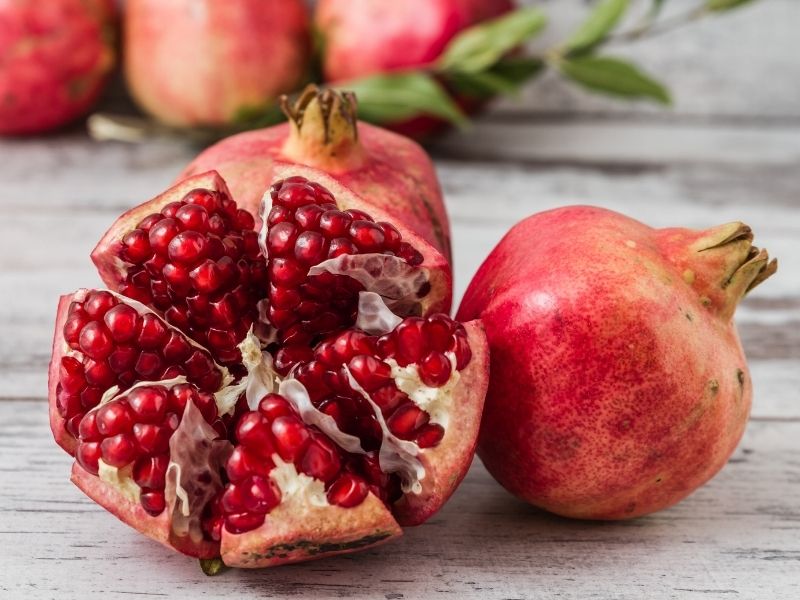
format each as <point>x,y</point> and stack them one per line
<point>266,396</point>
<point>618,382</point>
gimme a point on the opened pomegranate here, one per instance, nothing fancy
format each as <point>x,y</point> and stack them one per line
<point>323,424</point>
<point>618,382</point>
<point>205,62</point>
<point>56,57</point>
<point>390,173</point>
<point>367,37</point>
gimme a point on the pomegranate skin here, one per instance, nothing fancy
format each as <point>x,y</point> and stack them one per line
<point>56,57</point>
<point>618,384</point>
<point>201,62</point>
<point>364,37</point>
<point>390,171</point>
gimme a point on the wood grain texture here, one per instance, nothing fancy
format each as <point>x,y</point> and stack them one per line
<point>730,150</point>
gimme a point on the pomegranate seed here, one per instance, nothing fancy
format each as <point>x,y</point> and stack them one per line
<point>153,333</point>
<point>259,494</point>
<point>281,239</point>
<point>149,365</point>
<point>358,215</point>
<point>148,222</point>
<point>286,273</point>
<point>220,340</point>
<point>113,418</point>
<point>388,398</point>
<point>99,374</point>
<point>73,325</point>
<point>152,439</point>
<point>223,312</point>
<point>162,233</point>
<point>430,435</point>
<point>370,372</point>
<point>340,246</point>
<point>273,406</point>
<point>438,332</point>
<point>347,491</point>
<point>207,405</point>
<point>95,341</point>
<point>88,454</point>
<point>334,223</point>
<point>122,322</point>
<point>207,278</point>
<point>205,198</point>
<point>193,216</point>
<point>87,430</point>
<point>295,195</point>
<point>188,247</point>
<point>289,356</point>
<point>90,397</point>
<point>149,404</point>
<point>73,425</point>
<point>410,345</point>
<point>463,352</point>
<point>321,460</point>
<point>243,522</point>
<point>253,430</point>
<point>153,502</point>
<point>367,236</point>
<point>310,248</point>
<point>136,246</point>
<point>118,450</point>
<point>308,216</point>
<point>291,437</point>
<point>391,235</point>
<point>123,358</point>
<point>435,369</point>
<point>151,471</point>
<point>279,214</point>
<point>71,375</point>
<point>198,364</point>
<point>406,420</point>
<point>98,303</point>
<point>177,349</point>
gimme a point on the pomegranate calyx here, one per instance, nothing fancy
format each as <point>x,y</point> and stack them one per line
<point>324,130</point>
<point>721,263</point>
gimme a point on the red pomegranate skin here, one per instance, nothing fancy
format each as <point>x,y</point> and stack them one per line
<point>55,57</point>
<point>202,62</point>
<point>618,384</point>
<point>391,172</point>
<point>365,37</point>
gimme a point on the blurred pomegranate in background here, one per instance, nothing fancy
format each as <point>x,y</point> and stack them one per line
<point>365,37</point>
<point>198,62</point>
<point>55,57</point>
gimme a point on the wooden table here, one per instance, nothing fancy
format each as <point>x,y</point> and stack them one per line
<point>730,150</point>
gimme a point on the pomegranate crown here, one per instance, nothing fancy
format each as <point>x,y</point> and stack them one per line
<point>324,129</point>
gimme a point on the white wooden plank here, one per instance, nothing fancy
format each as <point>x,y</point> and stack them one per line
<point>742,65</point>
<point>737,536</point>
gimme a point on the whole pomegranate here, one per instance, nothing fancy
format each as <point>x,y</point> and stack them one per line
<point>365,37</point>
<point>55,57</point>
<point>266,394</point>
<point>618,382</point>
<point>393,172</point>
<point>205,62</point>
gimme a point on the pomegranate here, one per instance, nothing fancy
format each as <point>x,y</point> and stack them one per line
<point>341,406</point>
<point>618,382</point>
<point>390,172</point>
<point>366,37</point>
<point>55,60</point>
<point>202,62</point>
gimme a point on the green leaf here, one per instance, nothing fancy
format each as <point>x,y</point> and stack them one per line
<point>603,18</point>
<point>481,46</point>
<point>506,77</point>
<point>720,5</point>
<point>614,76</point>
<point>398,96</point>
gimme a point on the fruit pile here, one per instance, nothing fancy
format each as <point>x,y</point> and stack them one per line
<point>274,391</point>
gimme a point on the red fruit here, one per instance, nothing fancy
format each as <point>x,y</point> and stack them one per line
<point>625,348</point>
<point>368,37</point>
<point>205,271</point>
<point>174,432</point>
<point>238,55</point>
<point>56,58</point>
<point>359,157</point>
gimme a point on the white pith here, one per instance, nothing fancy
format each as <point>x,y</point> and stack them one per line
<point>436,401</point>
<point>297,488</point>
